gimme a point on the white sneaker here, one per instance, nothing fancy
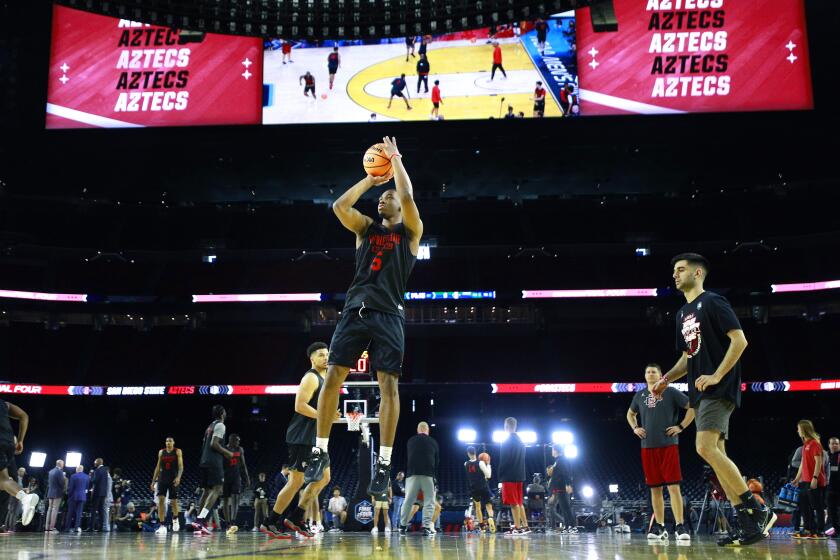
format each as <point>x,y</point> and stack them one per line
<point>255,529</point>
<point>29,502</point>
<point>232,529</point>
<point>176,526</point>
<point>161,530</point>
<point>387,530</point>
<point>374,531</point>
<point>320,527</point>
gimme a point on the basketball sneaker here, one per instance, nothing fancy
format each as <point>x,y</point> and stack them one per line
<point>525,531</point>
<point>753,522</point>
<point>681,533</point>
<point>374,531</point>
<point>273,531</point>
<point>427,532</point>
<point>300,530</point>
<point>318,461</point>
<point>176,526</point>
<point>492,524</point>
<point>29,502</point>
<point>161,530</point>
<point>657,532</point>
<point>232,529</point>
<point>381,480</point>
<point>403,530</point>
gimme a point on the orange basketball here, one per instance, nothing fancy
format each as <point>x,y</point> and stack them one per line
<point>484,457</point>
<point>755,486</point>
<point>376,162</point>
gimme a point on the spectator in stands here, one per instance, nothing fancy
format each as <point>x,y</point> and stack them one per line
<point>280,480</point>
<point>128,520</point>
<point>398,493</point>
<point>100,493</point>
<point>602,528</point>
<point>423,460</point>
<point>510,114</point>
<point>512,477</point>
<point>76,497</point>
<point>622,526</point>
<point>560,485</point>
<point>536,497</point>
<point>338,508</point>
<point>191,514</point>
<point>834,486</point>
<point>56,488</point>
<point>812,481</point>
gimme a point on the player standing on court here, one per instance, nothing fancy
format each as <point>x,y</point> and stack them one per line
<point>165,482</point>
<point>333,63</point>
<point>373,316</point>
<point>711,341</point>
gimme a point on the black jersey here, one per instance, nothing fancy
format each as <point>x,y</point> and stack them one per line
<point>209,456</point>
<point>383,264</point>
<point>168,465</point>
<point>233,464</point>
<point>7,436</point>
<point>301,430</point>
<point>475,476</point>
<point>332,59</point>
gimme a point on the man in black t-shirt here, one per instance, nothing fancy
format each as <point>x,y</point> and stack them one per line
<point>512,477</point>
<point>711,341</point>
<point>235,469</point>
<point>560,487</point>
<point>374,317</point>
<point>397,87</point>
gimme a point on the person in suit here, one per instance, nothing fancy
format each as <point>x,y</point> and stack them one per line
<point>100,494</point>
<point>76,497</point>
<point>56,488</point>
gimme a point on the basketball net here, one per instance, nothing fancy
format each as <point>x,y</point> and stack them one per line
<point>354,421</point>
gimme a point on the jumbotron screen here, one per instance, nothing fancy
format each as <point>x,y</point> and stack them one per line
<point>662,57</point>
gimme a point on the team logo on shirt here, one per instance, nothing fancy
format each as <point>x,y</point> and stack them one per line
<point>651,400</point>
<point>691,334</point>
<point>380,244</point>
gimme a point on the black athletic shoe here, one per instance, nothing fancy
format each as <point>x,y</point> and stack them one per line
<point>274,532</point>
<point>657,532</point>
<point>427,532</point>
<point>292,526</point>
<point>403,530</point>
<point>381,480</point>
<point>318,461</point>
<point>732,538</point>
<point>752,522</point>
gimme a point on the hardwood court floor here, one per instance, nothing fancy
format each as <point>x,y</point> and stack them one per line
<point>353,546</point>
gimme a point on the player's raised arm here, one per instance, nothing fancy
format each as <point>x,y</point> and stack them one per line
<point>405,194</point>
<point>349,217</point>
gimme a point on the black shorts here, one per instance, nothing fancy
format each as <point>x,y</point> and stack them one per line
<point>210,476</point>
<point>539,106</point>
<point>395,93</point>
<point>482,496</point>
<point>7,458</point>
<point>299,456</point>
<point>381,334</point>
<point>232,486</point>
<point>332,69</point>
<point>309,88</point>
<point>165,487</point>
<point>541,37</point>
<point>436,105</point>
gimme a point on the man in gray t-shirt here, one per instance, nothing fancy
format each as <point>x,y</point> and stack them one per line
<point>655,420</point>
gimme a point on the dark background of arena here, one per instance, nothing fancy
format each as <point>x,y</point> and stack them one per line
<point>511,206</point>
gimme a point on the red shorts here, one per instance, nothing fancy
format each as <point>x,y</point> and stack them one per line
<point>512,493</point>
<point>662,465</point>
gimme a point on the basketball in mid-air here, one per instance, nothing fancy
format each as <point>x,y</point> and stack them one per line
<point>376,162</point>
<point>484,457</point>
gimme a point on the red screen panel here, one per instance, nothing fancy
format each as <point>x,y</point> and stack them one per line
<point>674,56</point>
<point>112,73</point>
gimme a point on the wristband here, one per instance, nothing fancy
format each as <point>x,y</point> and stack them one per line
<point>396,155</point>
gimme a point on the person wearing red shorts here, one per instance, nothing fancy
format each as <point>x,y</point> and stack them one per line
<point>655,420</point>
<point>512,476</point>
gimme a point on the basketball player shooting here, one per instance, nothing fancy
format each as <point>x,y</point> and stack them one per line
<point>373,317</point>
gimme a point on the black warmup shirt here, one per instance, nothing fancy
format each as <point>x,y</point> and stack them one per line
<point>701,332</point>
<point>423,456</point>
<point>383,264</point>
<point>512,460</point>
<point>301,430</point>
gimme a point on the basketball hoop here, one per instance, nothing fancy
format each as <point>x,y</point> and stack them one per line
<point>354,421</point>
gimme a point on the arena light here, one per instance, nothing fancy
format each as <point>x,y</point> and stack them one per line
<point>249,298</point>
<point>467,435</point>
<point>570,452</point>
<point>587,492</point>
<point>563,437</point>
<point>613,488</point>
<point>73,459</point>
<point>805,287</point>
<point>528,436</point>
<point>620,292</point>
<point>37,459</point>
<point>500,436</point>
<point>14,294</point>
